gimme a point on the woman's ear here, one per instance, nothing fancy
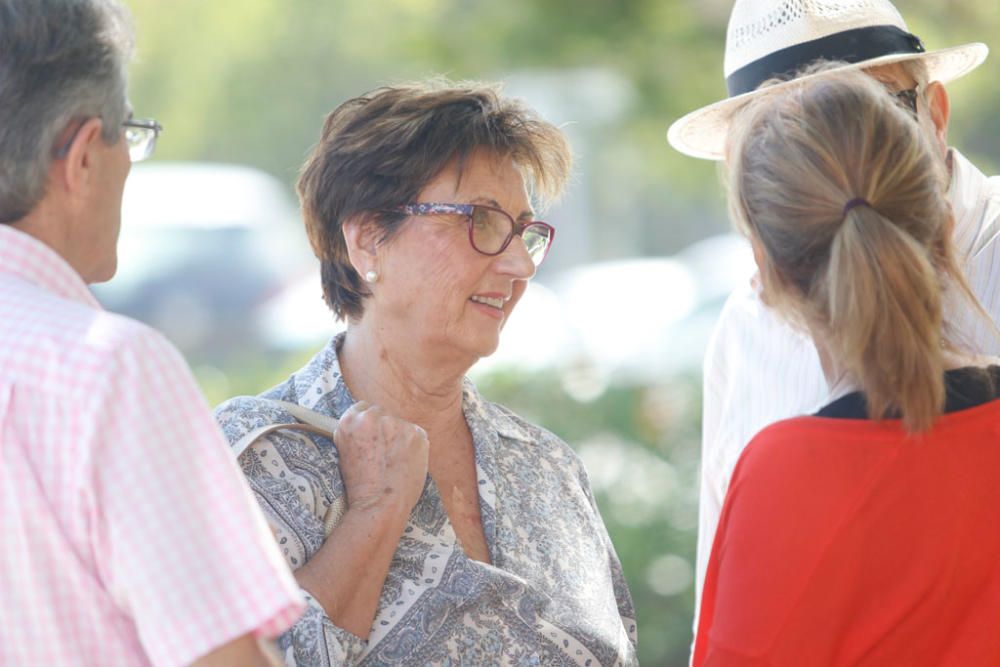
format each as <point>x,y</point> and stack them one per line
<point>362,237</point>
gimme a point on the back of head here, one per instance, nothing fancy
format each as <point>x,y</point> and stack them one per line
<point>378,151</point>
<point>844,197</point>
<point>59,60</point>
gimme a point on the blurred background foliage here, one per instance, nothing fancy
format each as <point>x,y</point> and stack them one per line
<point>249,82</point>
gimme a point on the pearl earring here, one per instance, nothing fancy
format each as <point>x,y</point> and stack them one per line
<point>371,276</point>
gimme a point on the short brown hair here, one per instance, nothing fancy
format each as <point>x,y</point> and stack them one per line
<point>871,278</point>
<point>379,150</point>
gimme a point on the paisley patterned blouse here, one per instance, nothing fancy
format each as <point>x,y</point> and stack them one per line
<point>554,594</point>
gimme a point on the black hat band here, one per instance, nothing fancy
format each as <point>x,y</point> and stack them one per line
<point>850,46</point>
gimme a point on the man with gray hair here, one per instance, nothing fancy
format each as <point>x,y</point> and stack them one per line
<point>130,536</point>
<point>758,369</point>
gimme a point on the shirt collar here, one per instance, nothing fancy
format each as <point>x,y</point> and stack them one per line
<point>320,386</point>
<point>498,418</point>
<point>27,258</point>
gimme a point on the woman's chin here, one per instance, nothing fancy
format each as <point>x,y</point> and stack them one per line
<point>484,345</point>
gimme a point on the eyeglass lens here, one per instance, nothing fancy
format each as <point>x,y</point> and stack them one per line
<point>141,139</point>
<point>908,98</point>
<point>537,240</point>
<point>492,228</point>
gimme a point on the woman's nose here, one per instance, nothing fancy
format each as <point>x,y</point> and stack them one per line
<point>516,260</point>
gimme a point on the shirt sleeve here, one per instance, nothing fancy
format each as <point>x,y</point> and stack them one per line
<point>314,641</point>
<point>623,597</point>
<point>739,611</point>
<point>710,497</point>
<point>758,370</point>
<point>184,549</point>
<point>976,201</point>
<point>294,502</point>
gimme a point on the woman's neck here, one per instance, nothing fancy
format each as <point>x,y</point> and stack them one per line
<point>402,380</point>
<point>832,371</point>
<point>838,379</point>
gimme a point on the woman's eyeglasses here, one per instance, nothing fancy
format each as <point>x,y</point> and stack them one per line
<point>491,229</point>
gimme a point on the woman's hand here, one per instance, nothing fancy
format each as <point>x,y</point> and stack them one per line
<point>383,460</point>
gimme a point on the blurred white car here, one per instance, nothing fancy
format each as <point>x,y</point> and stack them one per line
<point>202,248</point>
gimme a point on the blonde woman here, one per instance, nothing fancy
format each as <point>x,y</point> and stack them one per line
<point>864,534</point>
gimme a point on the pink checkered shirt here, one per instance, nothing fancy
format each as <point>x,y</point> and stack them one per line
<point>127,534</point>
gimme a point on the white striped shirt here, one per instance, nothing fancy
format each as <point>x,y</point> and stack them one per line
<point>759,370</point>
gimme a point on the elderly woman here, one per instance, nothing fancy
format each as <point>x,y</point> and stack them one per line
<point>470,536</point>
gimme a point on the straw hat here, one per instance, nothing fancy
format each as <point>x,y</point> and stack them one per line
<point>776,38</point>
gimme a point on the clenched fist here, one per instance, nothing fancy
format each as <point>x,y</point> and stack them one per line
<point>383,460</point>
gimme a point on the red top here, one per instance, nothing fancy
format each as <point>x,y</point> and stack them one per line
<point>843,542</point>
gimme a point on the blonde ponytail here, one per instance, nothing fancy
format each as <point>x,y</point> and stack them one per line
<point>883,305</point>
<point>844,197</point>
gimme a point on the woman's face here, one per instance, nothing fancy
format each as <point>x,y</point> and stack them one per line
<point>434,289</point>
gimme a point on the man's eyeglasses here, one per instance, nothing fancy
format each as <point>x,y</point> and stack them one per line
<point>140,137</point>
<point>908,98</point>
<point>491,229</point>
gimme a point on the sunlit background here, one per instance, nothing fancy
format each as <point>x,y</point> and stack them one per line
<point>606,346</point>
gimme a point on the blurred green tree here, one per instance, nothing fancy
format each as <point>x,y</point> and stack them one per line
<point>250,81</point>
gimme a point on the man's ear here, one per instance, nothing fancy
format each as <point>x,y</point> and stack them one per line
<point>362,237</point>
<point>940,110</point>
<point>75,170</point>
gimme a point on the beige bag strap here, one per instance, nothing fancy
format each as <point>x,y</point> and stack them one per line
<point>312,422</point>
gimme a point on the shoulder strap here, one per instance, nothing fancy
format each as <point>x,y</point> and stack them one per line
<point>311,417</point>
<point>311,422</point>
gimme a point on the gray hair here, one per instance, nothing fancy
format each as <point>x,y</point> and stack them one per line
<point>59,60</point>
<point>917,70</point>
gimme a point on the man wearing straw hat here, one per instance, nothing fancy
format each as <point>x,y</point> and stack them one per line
<point>758,369</point>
